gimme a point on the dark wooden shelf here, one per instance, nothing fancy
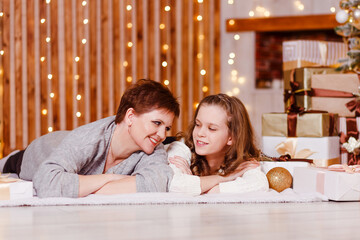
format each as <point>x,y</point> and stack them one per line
<point>278,24</point>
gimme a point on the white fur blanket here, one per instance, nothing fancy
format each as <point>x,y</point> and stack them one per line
<point>271,196</point>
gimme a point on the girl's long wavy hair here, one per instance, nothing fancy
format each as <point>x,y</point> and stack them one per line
<point>243,146</point>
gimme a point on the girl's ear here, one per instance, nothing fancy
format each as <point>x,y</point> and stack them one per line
<point>229,141</point>
<point>130,114</point>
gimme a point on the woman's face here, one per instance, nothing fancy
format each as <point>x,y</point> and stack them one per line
<point>211,133</point>
<point>149,129</point>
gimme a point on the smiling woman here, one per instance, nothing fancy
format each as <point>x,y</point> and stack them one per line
<point>118,154</point>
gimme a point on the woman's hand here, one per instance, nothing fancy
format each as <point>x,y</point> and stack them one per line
<point>241,169</point>
<point>181,164</point>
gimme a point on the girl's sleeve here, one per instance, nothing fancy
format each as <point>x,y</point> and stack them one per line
<point>252,180</point>
<point>181,182</point>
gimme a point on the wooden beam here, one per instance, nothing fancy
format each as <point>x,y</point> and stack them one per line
<point>277,24</point>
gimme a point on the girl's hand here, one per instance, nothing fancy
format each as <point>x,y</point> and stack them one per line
<point>242,168</point>
<point>181,164</point>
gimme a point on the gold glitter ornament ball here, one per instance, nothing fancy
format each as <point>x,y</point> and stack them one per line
<point>279,179</point>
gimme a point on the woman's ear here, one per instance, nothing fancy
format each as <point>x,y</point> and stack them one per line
<point>229,141</point>
<point>129,116</point>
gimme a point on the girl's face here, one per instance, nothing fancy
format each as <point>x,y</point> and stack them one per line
<point>211,133</point>
<point>149,129</point>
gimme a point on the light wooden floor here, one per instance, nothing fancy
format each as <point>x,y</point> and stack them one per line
<point>326,220</point>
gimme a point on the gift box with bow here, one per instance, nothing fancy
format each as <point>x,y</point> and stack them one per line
<point>322,151</point>
<point>312,89</point>
<point>337,182</point>
<point>304,53</point>
<point>349,140</point>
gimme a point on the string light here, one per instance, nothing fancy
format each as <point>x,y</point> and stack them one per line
<point>167,8</point>
<point>200,1</point>
<point>196,104</point>
<point>230,2</point>
<point>48,1</point>
<point>77,59</point>
<point>231,22</point>
<point>166,82</point>
<point>203,72</point>
<point>205,89</point>
<point>199,55</point>
<point>43,20</point>
<point>128,7</point>
<point>42,59</point>
<point>130,44</point>
<point>129,79</point>
<point>76,76</point>
<point>84,3</point>
<point>78,114</point>
<point>1,52</point>
<point>201,37</point>
<point>251,13</point>
<point>164,64</point>
<point>241,80</point>
<point>50,76</point>
<point>44,111</point>
<point>52,95</point>
<point>332,9</point>
<point>231,61</point>
<point>78,97</point>
<point>125,63</point>
<point>236,36</point>
<point>129,25</point>
<point>1,14</point>
<point>86,21</point>
<point>165,47</point>
<point>83,41</point>
<point>199,18</point>
<point>162,26</point>
<point>50,129</point>
<point>47,39</point>
<point>231,55</point>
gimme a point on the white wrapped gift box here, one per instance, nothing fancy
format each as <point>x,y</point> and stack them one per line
<point>326,149</point>
<point>337,186</point>
<point>16,190</point>
<point>266,166</point>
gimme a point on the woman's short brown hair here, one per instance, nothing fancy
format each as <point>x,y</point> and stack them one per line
<point>144,96</point>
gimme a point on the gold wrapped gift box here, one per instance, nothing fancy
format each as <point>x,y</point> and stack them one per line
<point>324,79</point>
<point>308,125</point>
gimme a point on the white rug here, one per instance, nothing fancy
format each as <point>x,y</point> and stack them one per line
<point>169,198</point>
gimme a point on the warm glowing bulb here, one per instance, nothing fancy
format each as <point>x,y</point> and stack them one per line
<point>50,129</point>
<point>129,25</point>
<point>203,72</point>
<point>267,14</point>
<point>231,22</point>
<point>251,13</point>
<point>236,91</point>
<point>42,59</point>
<point>165,47</point>
<point>50,76</point>
<point>84,3</point>
<point>129,79</point>
<point>196,104</point>
<point>236,36</point>
<point>1,14</point>
<point>47,39</point>
<point>162,26</point>
<point>76,77</point>
<point>78,97</point>
<point>205,89</point>
<point>125,63</point>
<point>86,21</point>
<point>231,55</point>
<point>199,18</point>
<point>241,80</point>
<point>52,95</point>
<point>230,2</point>
<point>78,114</point>
<point>164,63</point>
<point>128,7</point>
<point>48,1</point>
<point>130,44</point>
<point>44,111</point>
<point>167,8</point>
<point>83,41</point>
<point>201,37</point>
<point>200,1</point>
<point>199,55</point>
<point>77,59</point>
<point>332,9</point>
<point>166,82</point>
<point>231,61</point>
<point>229,93</point>
<point>1,52</point>
<point>234,72</point>
<point>42,20</point>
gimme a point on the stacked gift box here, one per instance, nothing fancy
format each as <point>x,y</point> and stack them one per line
<point>321,109</point>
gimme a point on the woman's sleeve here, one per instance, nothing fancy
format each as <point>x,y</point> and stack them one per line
<point>252,180</point>
<point>181,182</point>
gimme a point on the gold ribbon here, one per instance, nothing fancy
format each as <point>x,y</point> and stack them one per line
<point>5,186</point>
<point>289,147</point>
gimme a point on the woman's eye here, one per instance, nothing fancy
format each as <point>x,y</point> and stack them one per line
<point>157,123</point>
<point>212,129</point>
<point>167,129</point>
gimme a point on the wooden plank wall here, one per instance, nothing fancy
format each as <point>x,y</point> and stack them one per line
<point>65,63</point>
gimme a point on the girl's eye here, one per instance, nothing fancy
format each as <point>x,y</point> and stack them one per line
<point>157,123</point>
<point>168,129</point>
<point>212,129</point>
